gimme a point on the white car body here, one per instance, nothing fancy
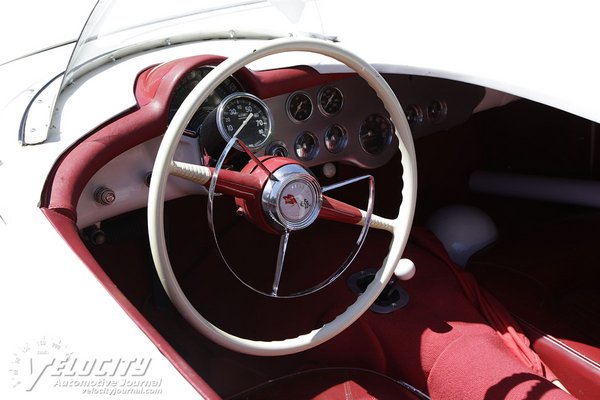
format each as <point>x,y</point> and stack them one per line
<point>543,51</point>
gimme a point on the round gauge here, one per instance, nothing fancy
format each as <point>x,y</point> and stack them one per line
<point>331,100</point>
<point>375,133</point>
<point>335,139</point>
<point>297,201</point>
<point>189,82</point>
<point>247,116</point>
<point>414,115</point>
<point>277,149</point>
<point>436,111</point>
<point>299,107</point>
<point>306,146</point>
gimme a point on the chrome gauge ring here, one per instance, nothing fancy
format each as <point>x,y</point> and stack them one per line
<point>247,113</point>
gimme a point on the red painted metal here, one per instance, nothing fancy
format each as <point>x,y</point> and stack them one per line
<point>239,185</point>
<point>335,210</point>
<point>252,207</point>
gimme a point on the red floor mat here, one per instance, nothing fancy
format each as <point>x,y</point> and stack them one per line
<point>418,343</point>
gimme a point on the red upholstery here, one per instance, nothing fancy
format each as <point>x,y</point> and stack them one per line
<point>486,372</point>
<point>495,314</point>
<point>547,278</point>
<point>576,364</point>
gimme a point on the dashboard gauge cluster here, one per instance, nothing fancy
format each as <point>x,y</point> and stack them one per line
<point>343,121</point>
<point>339,121</point>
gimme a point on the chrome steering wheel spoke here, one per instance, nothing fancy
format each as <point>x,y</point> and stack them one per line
<point>283,242</point>
<point>291,199</point>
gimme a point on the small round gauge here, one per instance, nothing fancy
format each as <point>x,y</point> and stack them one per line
<point>306,146</point>
<point>277,149</point>
<point>436,111</point>
<point>375,133</point>
<point>414,115</point>
<point>246,114</point>
<point>299,107</point>
<point>335,138</point>
<point>331,100</point>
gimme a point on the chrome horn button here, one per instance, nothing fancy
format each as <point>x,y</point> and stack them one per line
<point>292,200</point>
<point>298,203</point>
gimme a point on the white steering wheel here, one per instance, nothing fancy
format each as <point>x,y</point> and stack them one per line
<point>399,227</point>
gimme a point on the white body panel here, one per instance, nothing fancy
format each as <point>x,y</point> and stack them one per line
<point>537,50</point>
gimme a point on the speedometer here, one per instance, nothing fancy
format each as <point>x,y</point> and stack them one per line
<point>247,116</point>
<point>241,114</point>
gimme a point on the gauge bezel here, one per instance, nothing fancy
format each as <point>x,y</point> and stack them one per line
<point>223,130</point>
<point>390,134</point>
<point>277,144</point>
<point>315,150</point>
<point>341,144</point>
<point>417,111</point>
<point>320,106</point>
<point>289,100</point>
<point>442,112</point>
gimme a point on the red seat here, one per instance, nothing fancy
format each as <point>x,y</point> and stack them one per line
<point>548,278</point>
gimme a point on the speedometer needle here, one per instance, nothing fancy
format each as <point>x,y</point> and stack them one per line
<point>248,118</point>
<point>329,100</point>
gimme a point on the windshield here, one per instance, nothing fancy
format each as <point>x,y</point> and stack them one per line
<point>118,28</point>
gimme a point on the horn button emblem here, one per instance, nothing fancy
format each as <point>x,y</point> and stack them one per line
<point>296,201</point>
<point>293,201</point>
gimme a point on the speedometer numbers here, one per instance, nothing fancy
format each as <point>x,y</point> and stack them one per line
<point>241,114</point>
<point>247,116</point>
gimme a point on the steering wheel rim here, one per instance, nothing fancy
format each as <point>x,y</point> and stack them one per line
<point>399,226</point>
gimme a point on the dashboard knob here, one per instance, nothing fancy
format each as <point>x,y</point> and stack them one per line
<point>104,196</point>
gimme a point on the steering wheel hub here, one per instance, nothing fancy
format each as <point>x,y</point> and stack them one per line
<point>292,198</point>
